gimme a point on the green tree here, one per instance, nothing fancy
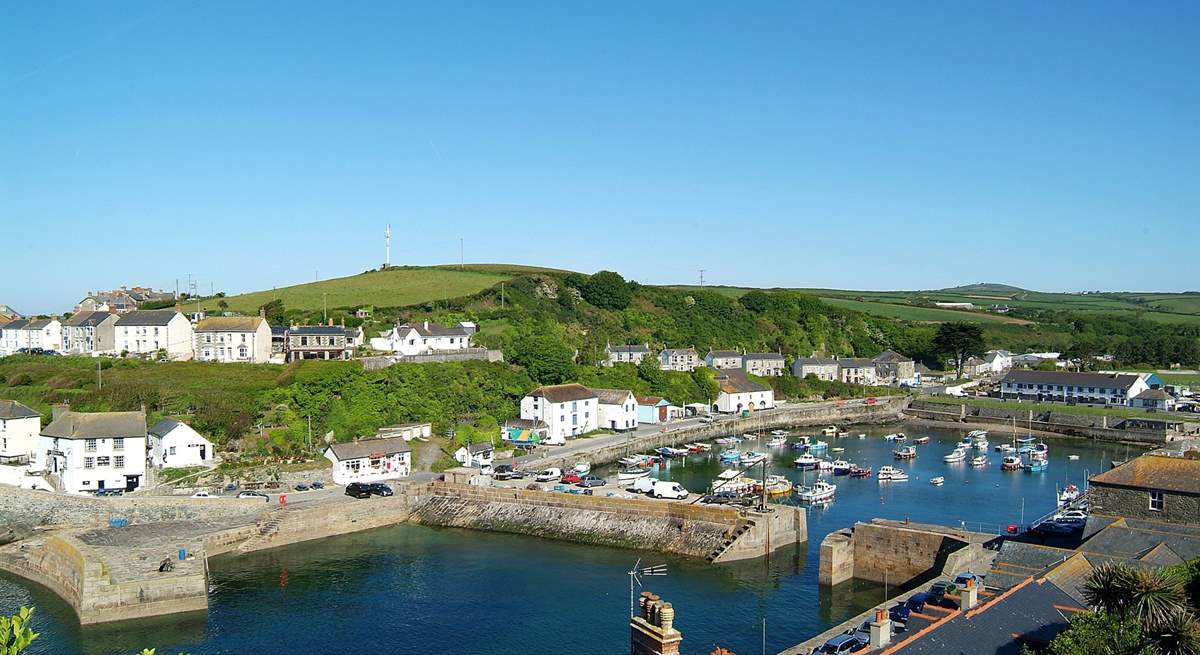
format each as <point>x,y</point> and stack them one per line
<point>15,633</point>
<point>756,301</point>
<point>274,312</point>
<point>657,378</point>
<point>960,341</point>
<point>1084,347</point>
<point>545,358</point>
<point>607,290</point>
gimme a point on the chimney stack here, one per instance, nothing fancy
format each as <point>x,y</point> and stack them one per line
<point>653,632</point>
<point>970,595</point>
<point>881,629</point>
<point>58,410</point>
<point>426,325</point>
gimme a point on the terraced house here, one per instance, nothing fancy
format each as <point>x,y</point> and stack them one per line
<point>626,354</point>
<point>148,332</point>
<point>1064,386</point>
<point>425,338</point>
<point>679,359</point>
<point>90,333</point>
<point>317,342</point>
<point>85,452</point>
<point>233,339</point>
<point>723,359</point>
<point>764,364</point>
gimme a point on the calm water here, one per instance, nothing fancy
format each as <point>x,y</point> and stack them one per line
<point>411,589</point>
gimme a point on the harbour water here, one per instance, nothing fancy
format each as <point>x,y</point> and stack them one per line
<point>412,589</point>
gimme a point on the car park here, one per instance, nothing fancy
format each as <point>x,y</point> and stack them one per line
<point>358,490</point>
<point>380,489</point>
<point>591,480</point>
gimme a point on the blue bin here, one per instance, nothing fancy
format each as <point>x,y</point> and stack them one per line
<point>118,523</point>
<point>182,554</point>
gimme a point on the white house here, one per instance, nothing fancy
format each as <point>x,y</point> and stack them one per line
<point>626,354</point>
<point>370,460</point>
<point>566,409</point>
<point>90,333</point>
<point>998,361</point>
<point>424,338</point>
<point>618,409</point>
<point>974,367</point>
<point>824,368</point>
<point>723,359</point>
<point>764,364</point>
<point>476,455</point>
<point>44,333</point>
<point>1156,399</point>
<point>858,370</point>
<point>175,445</point>
<point>233,339</point>
<point>148,331</point>
<point>94,451</point>
<point>738,394</point>
<point>19,427</point>
<point>1092,388</point>
<point>679,359</point>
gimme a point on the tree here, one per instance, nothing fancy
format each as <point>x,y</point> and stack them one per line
<point>756,301</point>
<point>1084,347</point>
<point>607,290</point>
<point>650,371</point>
<point>222,304</point>
<point>274,312</point>
<point>15,634</point>
<point>960,341</point>
<point>545,358</point>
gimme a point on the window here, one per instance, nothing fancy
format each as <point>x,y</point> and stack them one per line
<point>89,445</point>
<point>102,461</point>
<point>1156,501</point>
<point>89,462</point>
<point>119,444</point>
<point>171,450</point>
<point>119,461</point>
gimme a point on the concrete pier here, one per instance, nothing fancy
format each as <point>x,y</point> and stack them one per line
<point>900,553</point>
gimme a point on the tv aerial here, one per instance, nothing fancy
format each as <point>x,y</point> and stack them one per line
<point>636,574</point>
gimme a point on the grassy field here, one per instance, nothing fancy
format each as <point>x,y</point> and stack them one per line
<point>1125,412</point>
<point>394,287</point>
<point>910,313</point>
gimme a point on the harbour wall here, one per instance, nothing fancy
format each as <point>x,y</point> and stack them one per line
<point>899,553</point>
<point>1098,427</point>
<point>885,410</point>
<point>24,507</point>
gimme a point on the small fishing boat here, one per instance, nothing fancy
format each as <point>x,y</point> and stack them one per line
<point>751,457</point>
<point>890,437</point>
<point>807,462</point>
<point>938,481</point>
<point>731,455</point>
<point>733,480</point>
<point>777,485</point>
<point>980,444</point>
<point>634,460</point>
<point>780,433</point>
<point>671,453</point>
<point>1025,444</point>
<point>1068,495</point>
<point>631,474</point>
<point>818,445</point>
<point>841,467</point>
<point>906,452</point>
<point>862,435</point>
<point>1005,448</point>
<point>860,472</point>
<point>1072,457</point>
<point>777,442</point>
<point>729,441</point>
<point>977,434</point>
<point>966,442</point>
<point>751,436</point>
<point>819,491</point>
<point>958,455</point>
<point>1035,462</point>
<point>900,436</point>
<point>824,465</point>
<point>979,461</point>
<point>830,431</point>
<point>921,441</point>
<point>582,468</point>
<point>891,474</point>
<point>1010,463</point>
<point>837,450</point>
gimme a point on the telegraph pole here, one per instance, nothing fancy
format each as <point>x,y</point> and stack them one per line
<point>702,278</point>
<point>460,253</point>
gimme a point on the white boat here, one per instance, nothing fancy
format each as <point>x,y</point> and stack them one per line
<point>938,481</point>
<point>820,490</point>
<point>824,465</point>
<point>977,434</point>
<point>777,442</point>
<point>980,444</point>
<point>1068,495</point>
<point>830,431</point>
<point>631,474</point>
<point>1072,457</point>
<point>807,461</point>
<point>890,437</point>
<point>583,468</point>
<point>979,461</point>
<point>729,441</point>
<point>958,455</point>
<point>751,457</point>
<point>732,480</point>
<point>862,435</point>
<point>751,436</point>
<point>780,433</point>
<point>891,473</point>
<point>634,460</point>
<point>777,485</point>
<point>900,436</point>
<point>837,450</point>
<point>841,467</point>
<point>1005,448</point>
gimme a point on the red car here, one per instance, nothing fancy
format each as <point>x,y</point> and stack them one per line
<point>871,401</point>
<point>571,478</point>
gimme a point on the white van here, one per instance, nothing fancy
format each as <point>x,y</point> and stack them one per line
<point>668,489</point>
<point>549,475</point>
<point>643,485</point>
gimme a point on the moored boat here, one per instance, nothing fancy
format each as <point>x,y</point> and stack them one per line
<point>731,455</point>
<point>906,452</point>
<point>937,481</point>
<point>751,457</point>
<point>732,480</point>
<point>1010,463</point>
<point>818,445</point>
<point>900,436</point>
<point>921,441</point>
<point>860,472</point>
<point>777,442</point>
<point>1035,461</point>
<point>780,433</point>
<point>891,473</point>
<point>977,434</point>
<point>830,431</point>
<point>777,485</point>
<point>841,467</point>
<point>824,465</point>
<point>820,490</point>
<point>631,474</point>
<point>958,455</point>
<point>1068,495</point>
<point>1072,457</point>
<point>583,468</point>
<point>979,461</point>
<point>806,461</point>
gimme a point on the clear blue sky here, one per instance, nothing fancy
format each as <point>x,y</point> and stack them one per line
<point>882,145</point>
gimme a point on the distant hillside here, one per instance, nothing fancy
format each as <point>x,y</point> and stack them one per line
<point>985,287</point>
<point>395,287</point>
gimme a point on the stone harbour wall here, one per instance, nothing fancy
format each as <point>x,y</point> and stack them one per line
<point>33,508</point>
<point>1099,427</point>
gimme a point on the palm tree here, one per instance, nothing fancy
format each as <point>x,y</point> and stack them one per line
<point>1108,588</point>
<point>1154,598</point>
<point>1178,635</point>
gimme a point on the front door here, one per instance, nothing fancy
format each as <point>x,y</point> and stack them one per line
<point>203,450</point>
<point>100,485</point>
<point>132,482</point>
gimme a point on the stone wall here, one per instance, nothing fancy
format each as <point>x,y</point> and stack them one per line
<point>32,508</point>
<point>1135,504</point>
<point>1100,427</point>
<point>836,558</point>
<point>887,553</point>
<point>781,526</point>
<point>376,363</point>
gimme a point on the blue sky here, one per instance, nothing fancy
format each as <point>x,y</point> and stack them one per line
<point>853,145</point>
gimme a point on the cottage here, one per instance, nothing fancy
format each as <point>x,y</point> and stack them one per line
<point>475,455</point>
<point>625,354</point>
<point>723,359</point>
<point>233,339</point>
<point>44,333</point>
<point>173,444</point>
<point>1152,487</point>
<point>998,361</point>
<point>19,427</point>
<point>738,394</point>
<point>679,359</point>
<point>1156,399</point>
<point>618,409</point>
<point>975,367</point>
<point>324,342</point>
<point>765,365</point>
<point>823,368</point>
<point>369,460</point>
<point>424,338</point>
<point>1064,386</point>
<point>90,333</point>
<point>566,409</point>
<point>148,332</point>
<point>89,452</point>
<point>858,370</point>
<point>893,368</point>
<point>655,409</point>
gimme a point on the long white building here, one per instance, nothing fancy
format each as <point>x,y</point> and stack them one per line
<point>1092,388</point>
<point>233,339</point>
<point>425,338</point>
<point>738,394</point>
<point>88,452</point>
<point>148,331</point>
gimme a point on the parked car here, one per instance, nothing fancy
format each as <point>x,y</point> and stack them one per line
<point>201,494</point>
<point>358,490</point>
<point>1056,528</point>
<point>708,419</point>
<point>380,489</point>
<point>110,492</point>
<point>591,480</point>
<point>570,477</point>
<point>230,488</point>
<point>549,475</point>
<point>842,644</point>
<point>937,594</point>
<point>254,494</point>
<point>961,579</point>
<point>318,485</point>
<point>669,489</point>
<point>1076,514</point>
<point>503,472</point>
<point>301,487</point>
<point>916,602</point>
<point>728,498</point>
<point>900,613</point>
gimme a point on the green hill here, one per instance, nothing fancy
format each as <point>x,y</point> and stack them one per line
<point>395,287</point>
<point>985,287</point>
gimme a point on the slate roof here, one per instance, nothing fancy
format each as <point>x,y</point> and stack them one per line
<point>18,324</point>
<point>680,352</point>
<point>638,348</point>
<point>1018,560</point>
<point>773,356</point>
<point>526,424</point>
<point>278,330</point>
<point>80,425</point>
<point>476,448</point>
<point>39,324</point>
<point>87,319</point>
<point>163,426</point>
<point>367,447</point>
<point>816,361</point>
<point>1028,614</point>
<point>147,317</point>
<point>649,400</point>
<point>1153,394</point>
<point>305,330</point>
<point>428,329</point>
<point>1104,380</point>
<point>14,409</point>
<point>561,393</point>
<point>612,396</point>
<point>1177,474</point>
<point>735,381</point>
<point>723,354</point>
<point>1129,539</point>
<point>890,357</point>
<point>856,362</point>
<point>230,324</point>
